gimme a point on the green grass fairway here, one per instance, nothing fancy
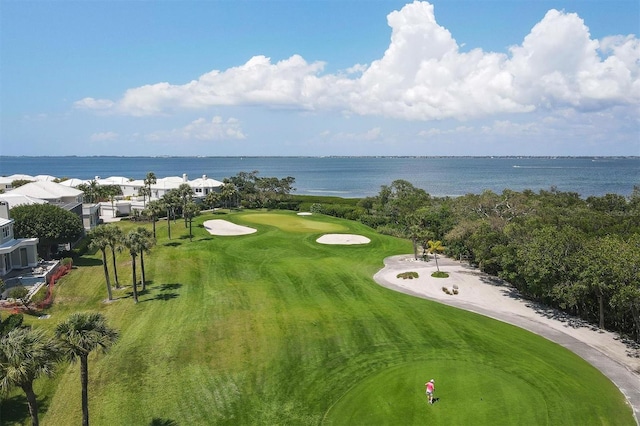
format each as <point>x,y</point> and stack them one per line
<point>273,328</point>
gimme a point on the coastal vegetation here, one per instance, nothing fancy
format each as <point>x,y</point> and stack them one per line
<point>273,328</point>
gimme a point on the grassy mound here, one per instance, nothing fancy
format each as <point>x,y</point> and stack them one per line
<point>440,274</point>
<point>271,328</point>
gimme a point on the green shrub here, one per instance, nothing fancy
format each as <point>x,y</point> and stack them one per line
<point>18,292</point>
<point>408,275</point>
<point>440,274</point>
<point>11,322</point>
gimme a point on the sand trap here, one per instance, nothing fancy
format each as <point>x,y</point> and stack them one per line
<point>304,214</point>
<point>224,227</point>
<point>343,239</point>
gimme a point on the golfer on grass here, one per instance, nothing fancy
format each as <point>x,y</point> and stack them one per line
<point>430,388</point>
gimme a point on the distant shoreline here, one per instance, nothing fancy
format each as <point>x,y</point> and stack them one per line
<point>509,157</point>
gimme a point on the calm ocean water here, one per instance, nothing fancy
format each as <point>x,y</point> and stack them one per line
<point>363,176</point>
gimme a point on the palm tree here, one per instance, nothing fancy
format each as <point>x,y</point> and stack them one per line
<point>111,191</point>
<point>170,200</point>
<point>191,210</point>
<point>80,334</point>
<point>186,195</point>
<point>132,243</point>
<point>100,241</point>
<point>90,191</point>
<point>115,237</point>
<point>145,241</point>
<point>154,208</point>
<point>229,192</point>
<point>434,248</point>
<point>149,180</point>
<point>144,191</point>
<point>25,355</point>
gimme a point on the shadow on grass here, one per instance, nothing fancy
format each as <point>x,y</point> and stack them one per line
<point>164,296</point>
<point>163,292</point>
<point>163,422</point>
<point>86,261</point>
<point>173,286</point>
<point>172,244</point>
<point>15,410</point>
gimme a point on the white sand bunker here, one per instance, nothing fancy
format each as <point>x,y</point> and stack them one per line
<point>343,239</point>
<point>304,214</point>
<point>224,227</point>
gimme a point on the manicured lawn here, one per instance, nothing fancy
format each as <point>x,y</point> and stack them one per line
<point>273,328</point>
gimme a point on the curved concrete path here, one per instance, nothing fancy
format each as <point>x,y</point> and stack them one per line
<point>618,360</point>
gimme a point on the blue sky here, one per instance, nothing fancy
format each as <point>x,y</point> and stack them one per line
<point>454,77</point>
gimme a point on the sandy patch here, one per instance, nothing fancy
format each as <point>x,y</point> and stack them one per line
<point>343,239</point>
<point>304,214</point>
<point>224,227</point>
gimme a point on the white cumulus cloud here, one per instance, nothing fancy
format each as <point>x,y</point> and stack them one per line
<point>201,129</point>
<point>423,75</point>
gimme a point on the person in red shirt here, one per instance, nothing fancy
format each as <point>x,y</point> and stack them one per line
<point>431,387</point>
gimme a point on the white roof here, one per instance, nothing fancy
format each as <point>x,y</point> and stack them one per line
<point>46,178</point>
<point>19,199</point>
<point>4,221</point>
<point>73,182</point>
<point>6,180</point>
<point>205,182</point>
<point>171,182</point>
<point>114,180</point>
<point>46,190</point>
<point>22,177</point>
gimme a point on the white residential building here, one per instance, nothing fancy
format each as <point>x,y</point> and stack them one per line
<point>51,192</point>
<point>14,253</point>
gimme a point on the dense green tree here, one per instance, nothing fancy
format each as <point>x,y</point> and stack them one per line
<point>244,184</point>
<point>49,223</point>
<point>25,355</point>
<point>81,334</point>
<point>602,269</point>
